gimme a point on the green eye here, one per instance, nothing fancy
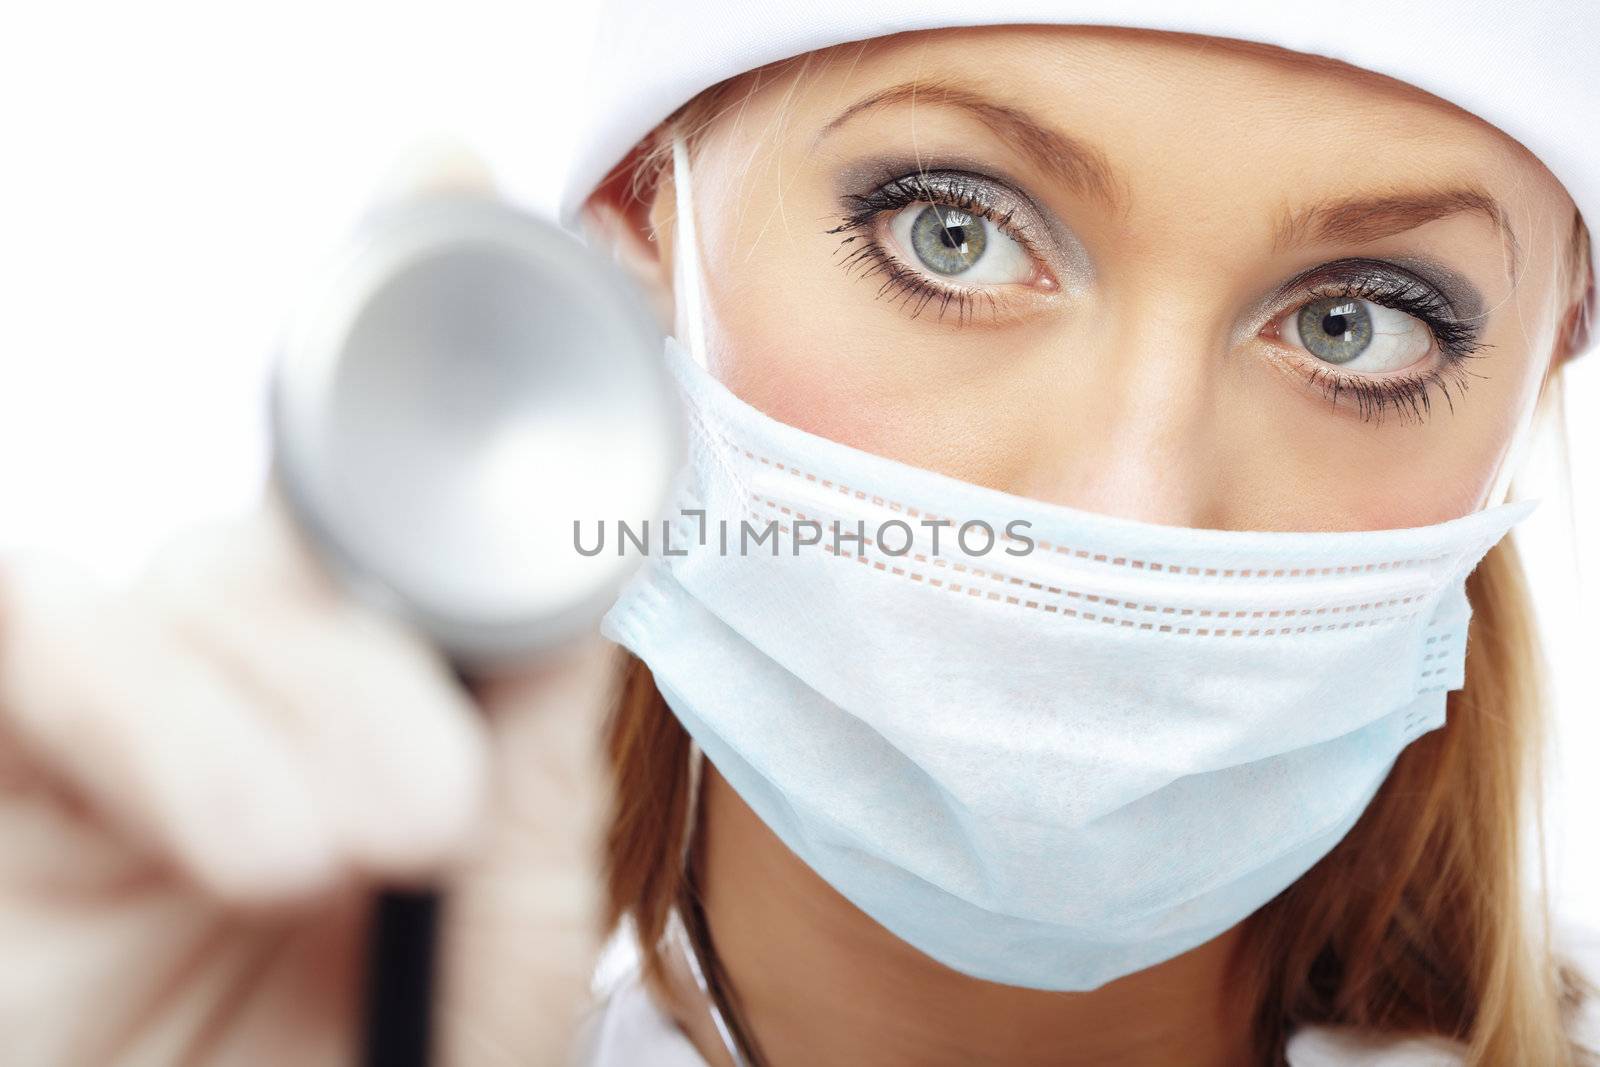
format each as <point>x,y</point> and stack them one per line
<point>947,240</point>
<point>1335,329</point>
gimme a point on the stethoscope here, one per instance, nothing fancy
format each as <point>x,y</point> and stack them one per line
<point>462,383</point>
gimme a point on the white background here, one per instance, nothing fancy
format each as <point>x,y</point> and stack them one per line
<point>171,171</point>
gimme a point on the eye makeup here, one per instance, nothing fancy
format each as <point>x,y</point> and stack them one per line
<point>1450,309</point>
<point>863,177</point>
<point>955,195</point>
<point>1448,306</point>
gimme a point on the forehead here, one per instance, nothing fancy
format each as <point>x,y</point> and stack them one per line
<point>1170,108</point>
<point>1085,71</point>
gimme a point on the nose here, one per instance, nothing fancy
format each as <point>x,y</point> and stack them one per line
<point>1135,426</point>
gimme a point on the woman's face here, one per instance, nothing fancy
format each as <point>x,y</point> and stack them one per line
<point>1145,274</point>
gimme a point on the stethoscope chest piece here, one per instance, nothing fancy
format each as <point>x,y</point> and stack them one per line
<point>467,382</point>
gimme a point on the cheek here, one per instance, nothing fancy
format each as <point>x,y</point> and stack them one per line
<point>822,357</point>
<point>796,386</point>
<point>805,374</point>
<point>1292,464</point>
<point>1351,475</point>
<point>860,394</point>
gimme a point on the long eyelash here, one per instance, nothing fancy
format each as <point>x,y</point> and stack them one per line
<point>1372,283</point>
<point>1409,397</point>
<point>911,287</point>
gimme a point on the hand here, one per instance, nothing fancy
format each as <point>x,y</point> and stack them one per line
<point>203,778</point>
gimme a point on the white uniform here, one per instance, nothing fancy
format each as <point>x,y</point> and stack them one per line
<point>627,1029</point>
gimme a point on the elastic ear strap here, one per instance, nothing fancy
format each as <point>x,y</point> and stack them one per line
<point>686,256</point>
<point>692,809</point>
<point>677,932</point>
<point>677,929</point>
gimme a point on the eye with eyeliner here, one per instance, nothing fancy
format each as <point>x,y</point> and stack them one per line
<point>1455,338</point>
<point>868,250</point>
<point>1453,332</point>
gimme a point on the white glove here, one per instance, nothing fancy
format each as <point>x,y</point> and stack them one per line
<point>202,777</point>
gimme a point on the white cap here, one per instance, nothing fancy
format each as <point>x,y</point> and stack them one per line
<point>1529,69</point>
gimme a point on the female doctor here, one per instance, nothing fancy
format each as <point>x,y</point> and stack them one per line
<point>1220,334</point>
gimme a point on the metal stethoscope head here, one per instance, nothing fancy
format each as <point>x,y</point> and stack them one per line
<point>465,382</point>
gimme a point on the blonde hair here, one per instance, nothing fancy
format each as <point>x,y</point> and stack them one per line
<point>1417,922</point>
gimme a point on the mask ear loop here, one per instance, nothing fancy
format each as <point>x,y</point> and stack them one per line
<point>686,256</point>
<point>689,299</point>
<point>678,932</point>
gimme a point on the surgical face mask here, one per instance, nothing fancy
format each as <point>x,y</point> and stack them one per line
<point>1045,746</point>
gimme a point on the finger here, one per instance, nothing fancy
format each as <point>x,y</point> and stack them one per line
<point>547,719</point>
<point>540,875</point>
<point>394,746</point>
<point>159,742</point>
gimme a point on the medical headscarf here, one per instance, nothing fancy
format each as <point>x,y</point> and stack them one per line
<point>1528,69</point>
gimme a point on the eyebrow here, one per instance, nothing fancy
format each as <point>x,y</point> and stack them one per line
<point>1083,169</point>
<point>1364,219</point>
<point>1078,166</point>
